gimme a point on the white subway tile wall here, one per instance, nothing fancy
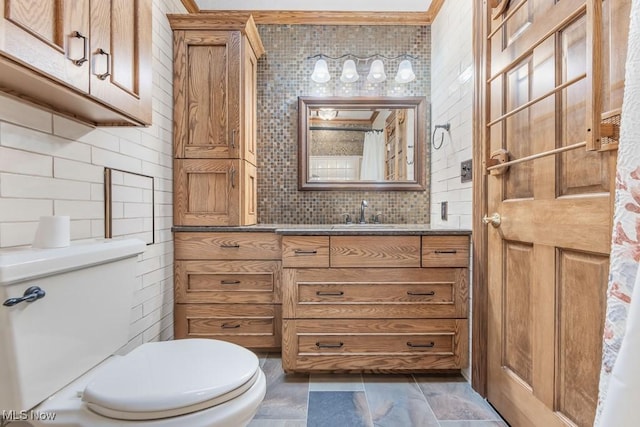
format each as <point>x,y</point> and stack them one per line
<point>51,165</point>
<point>452,102</point>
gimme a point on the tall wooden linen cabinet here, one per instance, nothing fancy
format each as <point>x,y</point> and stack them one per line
<point>215,67</point>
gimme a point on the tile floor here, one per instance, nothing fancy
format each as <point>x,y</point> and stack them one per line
<point>337,400</point>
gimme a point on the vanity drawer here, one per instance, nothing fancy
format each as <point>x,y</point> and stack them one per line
<point>334,293</point>
<point>227,246</point>
<point>305,251</point>
<point>227,281</point>
<point>375,251</point>
<point>445,251</point>
<point>359,345</point>
<point>254,326</point>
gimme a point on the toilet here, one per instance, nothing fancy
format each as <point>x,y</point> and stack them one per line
<point>57,360</point>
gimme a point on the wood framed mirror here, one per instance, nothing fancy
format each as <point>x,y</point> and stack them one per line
<point>362,143</point>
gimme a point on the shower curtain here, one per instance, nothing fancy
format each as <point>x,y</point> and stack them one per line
<point>372,167</point>
<point>619,397</point>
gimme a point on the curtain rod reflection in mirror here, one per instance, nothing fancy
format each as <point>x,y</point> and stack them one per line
<point>344,129</point>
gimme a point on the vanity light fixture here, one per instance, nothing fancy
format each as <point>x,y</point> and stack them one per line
<point>350,73</point>
<point>376,73</point>
<point>405,72</point>
<point>321,72</point>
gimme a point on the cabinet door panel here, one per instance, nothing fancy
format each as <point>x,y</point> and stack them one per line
<point>40,34</point>
<point>206,88</point>
<point>121,55</point>
<point>206,192</point>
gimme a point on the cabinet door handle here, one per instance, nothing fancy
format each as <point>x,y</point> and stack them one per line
<point>329,294</point>
<point>108,73</point>
<point>431,344</point>
<point>232,175</point>
<point>232,246</point>
<point>229,326</point>
<point>329,344</point>
<point>229,282</point>
<point>305,252</point>
<point>428,294</point>
<point>85,51</point>
<point>446,251</point>
<point>233,138</point>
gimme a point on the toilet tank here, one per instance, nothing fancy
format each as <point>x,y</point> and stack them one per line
<point>82,319</point>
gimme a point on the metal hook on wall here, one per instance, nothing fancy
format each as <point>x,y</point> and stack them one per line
<point>446,128</point>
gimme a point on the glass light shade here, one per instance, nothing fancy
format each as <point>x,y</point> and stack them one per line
<point>320,72</point>
<point>405,72</point>
<point>349,72</point>
<point>327,113</point>
<point>376,73</point>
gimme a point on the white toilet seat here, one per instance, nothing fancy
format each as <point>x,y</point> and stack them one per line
<point>171,378</point>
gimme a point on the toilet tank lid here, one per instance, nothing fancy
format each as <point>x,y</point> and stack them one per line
<point>20,264</point>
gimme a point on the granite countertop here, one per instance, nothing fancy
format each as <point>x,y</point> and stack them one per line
<point>332,229</point>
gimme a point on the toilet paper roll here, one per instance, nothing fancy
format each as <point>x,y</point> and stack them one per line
<point>52,232</point>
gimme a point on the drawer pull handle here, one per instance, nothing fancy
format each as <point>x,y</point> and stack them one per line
<point>428,294</point>
<point>446,251</point>
<point>429,345</point>
<point>107,73</point>
<point>329,294</point>
<point>85,52</point>
<point>229,282</point>
<point>329,344</point>
<point>305,252</point>
<point>234,246</point>
<point>229,326</point>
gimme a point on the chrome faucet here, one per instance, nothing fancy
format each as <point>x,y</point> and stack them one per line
<point>363,205</point>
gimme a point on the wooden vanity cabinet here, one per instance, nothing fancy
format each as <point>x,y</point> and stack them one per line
<point>87,59</point>
<point>215,90</point>
<point>378,303</point>
<point>227,286</point>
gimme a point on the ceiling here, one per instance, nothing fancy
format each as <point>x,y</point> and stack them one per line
<point>325,5</point>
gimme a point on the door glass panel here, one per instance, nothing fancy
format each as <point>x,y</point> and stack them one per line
<point>519,178</point>
<point>518,23</point>
<point>581,171</point>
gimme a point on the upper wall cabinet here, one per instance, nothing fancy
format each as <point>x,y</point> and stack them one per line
<point>215,64</point>
<point>87,59</point>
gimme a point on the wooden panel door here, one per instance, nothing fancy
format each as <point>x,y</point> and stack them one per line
<point>548,257</point>
<point>206,93</point>
<point>49,36</point>
<point>121,55</point>
<point>206,192</point>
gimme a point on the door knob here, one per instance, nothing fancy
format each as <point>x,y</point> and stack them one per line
<point>494,220</point>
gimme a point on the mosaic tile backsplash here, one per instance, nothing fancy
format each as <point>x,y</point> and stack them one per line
<point>283,76</point>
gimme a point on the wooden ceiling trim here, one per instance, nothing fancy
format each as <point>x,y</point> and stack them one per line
<point>191,6</point>
<point>434,8</point>
<point>284,17</point>
<point>330,18</point>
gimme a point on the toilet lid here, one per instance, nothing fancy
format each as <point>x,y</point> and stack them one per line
<point>171,378</point>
